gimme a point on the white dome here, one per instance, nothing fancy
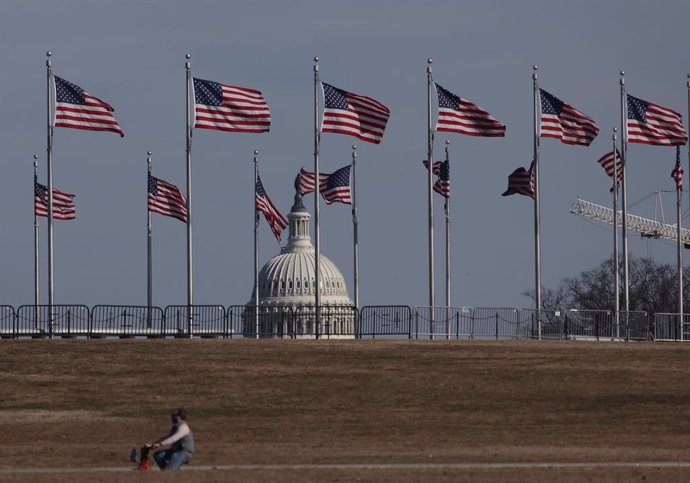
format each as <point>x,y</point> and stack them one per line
<point>288,279</point>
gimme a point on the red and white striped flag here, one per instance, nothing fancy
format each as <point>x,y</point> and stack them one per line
<point>229,108</point>
<point>307,181</point>
<point>649,123</point>
<point>77,109</point>
<point>273,216</point>
<point>359,116</point>
<point>521,182</point>
<point>606,162</point>
<point>63,203</point>
<point>562,121</point>
<point>167,199</point>
<point>456,114</point>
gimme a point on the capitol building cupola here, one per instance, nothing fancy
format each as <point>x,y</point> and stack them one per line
<point>287,285</point>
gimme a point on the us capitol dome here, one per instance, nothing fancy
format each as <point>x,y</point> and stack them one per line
<point>287,286</point>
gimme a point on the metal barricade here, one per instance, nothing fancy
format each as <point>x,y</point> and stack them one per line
<point>205,321</point>
<point>637,325</point>
<point>335,322</point>
<point>52,321</point>
<point>442,322</point>
<point>552,323</point>
<point>591,324</point>
<point>7,321</point>
<point>267,321</point>
<point>388,321</point>
<point>496,323</point>
<point>669,326</point>
<point>126,321</point>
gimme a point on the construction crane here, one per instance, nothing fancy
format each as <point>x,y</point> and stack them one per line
<point>646,227</point>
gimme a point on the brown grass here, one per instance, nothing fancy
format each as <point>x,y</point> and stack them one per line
<point>86,403</point>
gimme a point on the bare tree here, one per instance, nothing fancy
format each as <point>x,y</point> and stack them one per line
<point>653,288</point>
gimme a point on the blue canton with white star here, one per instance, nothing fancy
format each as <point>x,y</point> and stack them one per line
<point>208,93</point>
<point>339,178</point>
<point>636,109</point>
<point>334,97</point>
<point>260,188</point>
<point>550,104</point>
<point>67,92</point>
<point>447,99</point>
<point>153,186</point>
<point>445,171</point>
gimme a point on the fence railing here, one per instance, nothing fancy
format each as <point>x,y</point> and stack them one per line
<point>374,321</point>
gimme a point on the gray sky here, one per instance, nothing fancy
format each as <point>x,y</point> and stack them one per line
<point>131,54</point>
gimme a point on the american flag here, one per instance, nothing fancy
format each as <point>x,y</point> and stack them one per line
<point>442,170</point>
<point>359,116</point>
<point>167,199</point>
<point>63,203</point>
<point>562,121</point>
<point>307,181</point>
<point>275,219</point>
<point>77,109</point>
<point>336,188</point>
<point>229,108</point>
<point>521,182</point>
<point>677,173</point>
<point>606,162</point>
<point>650,123</point>
<point>456,114</point>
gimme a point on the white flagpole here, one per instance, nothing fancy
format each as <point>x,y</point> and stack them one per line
<point>616,262</point>
<point>256,247</point>
<point>537,206</point>
<point>430,184</point>
<point>36,277</point>
<point>624,194</point>
<point>149,257</point>
<point>317,239</point>
<point>679,249</point>
<point>355,224</point>
<point>190,300</point>
<point>51,285</point>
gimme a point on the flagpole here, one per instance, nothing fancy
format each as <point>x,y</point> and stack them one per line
<point>616,261</point>
<point>447,212</point>
<point>317,239</point>
<point>355,224</point>
<point>49,163</point>
<point>624,194</point>
<point>537,206</point>
<point>446,207</point>
<point>430,160</point>
<point>36,277</point>
<point>679,246</point>
<point>256,247</point>
<point>149,258</point>
<point>190,300</point>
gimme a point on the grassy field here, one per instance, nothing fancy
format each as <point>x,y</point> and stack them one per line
<point>85,404</point>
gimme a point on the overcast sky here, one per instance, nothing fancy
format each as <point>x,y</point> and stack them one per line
<point>130,53</point>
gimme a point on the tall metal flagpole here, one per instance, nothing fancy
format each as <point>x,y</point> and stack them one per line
<point>355,224</point>
<point>149,253</point>
<point>616,261</point>
<point>317,238</point>
<point>256,247</point>
<point>190,300</point>
<point>49,163</point>
<point>446,207</point>
<point>36,277</point>
<point>624,194</point>
<point>447,212</point>
<point>679,248</point>
<point>430,184</point>
<point>537,206</point>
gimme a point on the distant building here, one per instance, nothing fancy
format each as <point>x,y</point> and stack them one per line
<point>287,286</point>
